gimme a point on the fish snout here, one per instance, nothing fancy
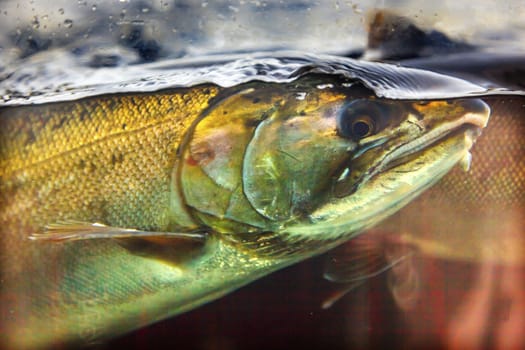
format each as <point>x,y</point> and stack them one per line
<point>477,112</point>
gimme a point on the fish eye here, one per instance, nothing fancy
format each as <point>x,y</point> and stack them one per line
<point>358,120</point>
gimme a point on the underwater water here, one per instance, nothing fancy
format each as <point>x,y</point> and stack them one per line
<point>465,286</point>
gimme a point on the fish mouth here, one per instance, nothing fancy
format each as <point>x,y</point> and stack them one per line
<point>469,126</point>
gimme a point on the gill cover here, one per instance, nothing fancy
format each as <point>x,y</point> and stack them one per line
<point>261,155</point>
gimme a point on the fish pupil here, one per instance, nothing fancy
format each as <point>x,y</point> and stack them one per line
<point>361,128</point>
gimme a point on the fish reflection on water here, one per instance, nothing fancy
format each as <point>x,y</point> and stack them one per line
<point>163,201</point>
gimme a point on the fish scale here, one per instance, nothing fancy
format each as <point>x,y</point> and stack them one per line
<point>97,153</point>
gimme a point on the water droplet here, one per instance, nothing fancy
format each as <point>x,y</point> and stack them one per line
<point>145,10</point>
<point>68,23</point>
<point>137,22</point>
<point>61,11</point>
<point>94,8</point>
<point>35,22</point>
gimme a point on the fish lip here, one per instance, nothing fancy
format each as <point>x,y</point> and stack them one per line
<point>470,124</point>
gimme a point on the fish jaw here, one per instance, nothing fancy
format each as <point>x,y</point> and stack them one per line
<point>393,183</point>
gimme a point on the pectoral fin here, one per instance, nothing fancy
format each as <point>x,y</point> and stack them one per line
<point>170,247</point>
<point>361,259</point>
<point>71,230</point>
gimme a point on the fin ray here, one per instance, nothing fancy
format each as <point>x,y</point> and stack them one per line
<point>361,259</point>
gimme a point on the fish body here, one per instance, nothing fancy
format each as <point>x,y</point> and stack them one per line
<point>264,174</point>
<point>86,173</point>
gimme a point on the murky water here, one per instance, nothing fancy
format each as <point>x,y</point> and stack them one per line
<point>65,50</point>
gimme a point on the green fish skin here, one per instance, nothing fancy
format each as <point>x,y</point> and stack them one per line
<point>163,201</point>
